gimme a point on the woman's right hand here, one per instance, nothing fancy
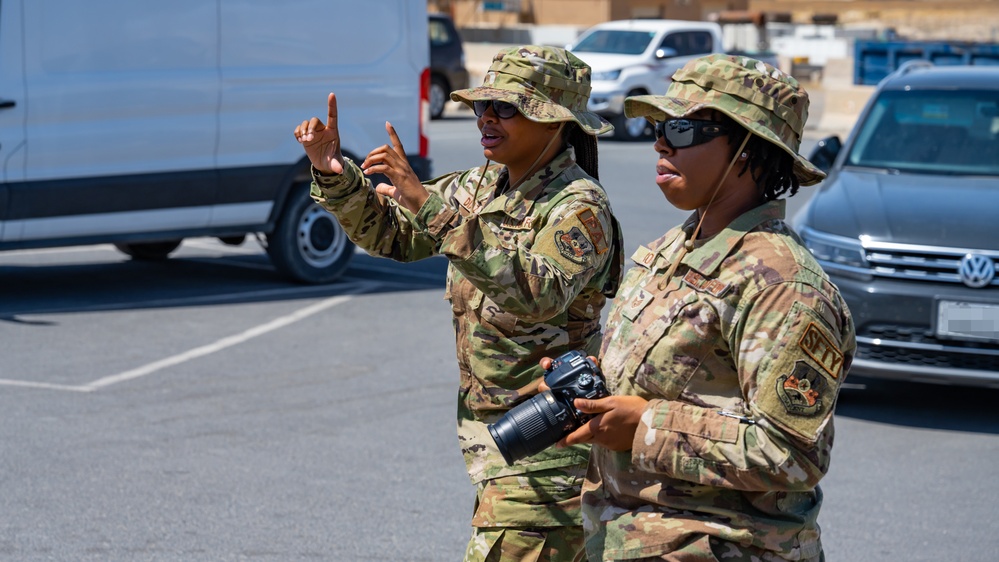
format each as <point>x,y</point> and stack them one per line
<point>615,418</point>
<point>322,142</point>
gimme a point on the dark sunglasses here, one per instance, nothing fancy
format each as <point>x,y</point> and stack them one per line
<point>502,109</point>
<point>681,133</point>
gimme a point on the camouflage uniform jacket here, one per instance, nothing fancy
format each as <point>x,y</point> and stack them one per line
<point>741,355</point>
<point>529,273</point>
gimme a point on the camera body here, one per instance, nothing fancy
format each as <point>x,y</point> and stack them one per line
<point>540,422</point>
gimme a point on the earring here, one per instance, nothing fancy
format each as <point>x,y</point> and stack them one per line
<point>744,156</point>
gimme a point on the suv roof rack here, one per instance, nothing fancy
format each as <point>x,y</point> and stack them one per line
<point>912,65</point>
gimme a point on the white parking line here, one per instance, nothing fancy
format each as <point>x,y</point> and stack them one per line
<point>197,352</point>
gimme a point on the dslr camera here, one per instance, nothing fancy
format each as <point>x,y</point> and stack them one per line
<point>540,422</point>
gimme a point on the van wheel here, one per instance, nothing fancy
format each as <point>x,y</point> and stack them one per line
<point>438,96</point>
<point>148,251</point>
<point>308,244</point>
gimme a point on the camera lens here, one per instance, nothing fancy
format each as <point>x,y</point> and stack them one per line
<point>530,428</point>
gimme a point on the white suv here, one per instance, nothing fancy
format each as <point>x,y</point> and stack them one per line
<point>633,57</point>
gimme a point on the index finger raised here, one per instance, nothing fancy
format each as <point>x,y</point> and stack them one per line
<point>394,137</point>
<point>331,111</point>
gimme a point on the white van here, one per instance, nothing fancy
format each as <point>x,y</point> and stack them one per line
<point>141,123</point>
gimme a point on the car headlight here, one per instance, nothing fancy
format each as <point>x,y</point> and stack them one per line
<point>836,251</point>
<point>607,75</point>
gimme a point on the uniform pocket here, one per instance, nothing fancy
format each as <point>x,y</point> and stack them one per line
<point>664,362</point>
<point>491,313</point>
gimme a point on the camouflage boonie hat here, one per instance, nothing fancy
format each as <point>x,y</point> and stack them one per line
<point>764,100</point>
<point>547,84</point>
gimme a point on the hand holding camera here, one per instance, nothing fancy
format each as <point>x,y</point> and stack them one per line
<point>542,421</point>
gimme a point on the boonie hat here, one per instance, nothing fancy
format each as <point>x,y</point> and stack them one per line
<point>763,99</point>
<point>547,84</point>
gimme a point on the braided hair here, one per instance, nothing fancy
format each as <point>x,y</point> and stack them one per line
<point>585,146</point>
<point>770,166</point>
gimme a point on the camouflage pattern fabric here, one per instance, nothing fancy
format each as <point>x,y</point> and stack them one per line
<point>547,84</point>
<point>495,502</point>
<point>529,273</point>
<point>741,354</point>
<point>551,544</point>
<point>763,99</point>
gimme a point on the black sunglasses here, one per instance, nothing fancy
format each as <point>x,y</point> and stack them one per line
<point>502,109</point>
<point>681,133</point>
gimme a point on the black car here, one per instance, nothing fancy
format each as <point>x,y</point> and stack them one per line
<point>447,62</point>
<point>907,225</point>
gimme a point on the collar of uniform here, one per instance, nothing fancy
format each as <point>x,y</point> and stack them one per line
<point>705,258</point>
<point>518,203</point>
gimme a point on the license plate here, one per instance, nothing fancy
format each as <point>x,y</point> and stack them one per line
<point>968,320</point>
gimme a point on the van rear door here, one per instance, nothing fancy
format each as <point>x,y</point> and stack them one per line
<point>11,103</point>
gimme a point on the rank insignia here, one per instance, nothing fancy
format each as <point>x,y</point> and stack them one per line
<point>573,244</point>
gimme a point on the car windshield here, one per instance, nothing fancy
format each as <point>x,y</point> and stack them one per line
<point>932,132</point>
<point>617,41</point>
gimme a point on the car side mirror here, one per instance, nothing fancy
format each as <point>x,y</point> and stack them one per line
<point>825,153</point>
<point>666,52</point>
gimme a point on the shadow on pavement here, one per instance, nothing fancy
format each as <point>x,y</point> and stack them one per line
<point>921,405</point>
<point>193,280</point>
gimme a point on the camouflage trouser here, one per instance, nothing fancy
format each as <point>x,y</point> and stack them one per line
<point>711,549</point>
<point>530,518</point>
<point>512,544</point>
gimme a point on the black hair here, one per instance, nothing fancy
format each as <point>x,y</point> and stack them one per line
<point>769,165</point>
<point>585,146</point>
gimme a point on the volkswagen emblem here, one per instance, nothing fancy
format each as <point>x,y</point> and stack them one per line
<point>976,270</point>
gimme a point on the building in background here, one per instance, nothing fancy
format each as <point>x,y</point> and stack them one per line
<point>969,20</point>
<point>577,13</point>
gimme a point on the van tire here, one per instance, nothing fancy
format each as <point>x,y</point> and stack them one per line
<point>308,243</point>
<point>148,251</point>
<point>439,95</point>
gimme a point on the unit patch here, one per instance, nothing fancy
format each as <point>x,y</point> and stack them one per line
<point>573,244</point>
<point>823,351</point>
<point>593,228</point>
<point>801,392</point>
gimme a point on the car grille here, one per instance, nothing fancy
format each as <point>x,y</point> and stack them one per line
<point>917,346</point>
<point>922,263</point>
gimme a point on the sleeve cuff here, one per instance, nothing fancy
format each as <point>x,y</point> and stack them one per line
<point>436,217</point>
<point>326,187</point>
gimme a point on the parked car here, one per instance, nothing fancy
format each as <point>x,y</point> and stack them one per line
<point>634,57</point>
<point>907,225</point>
<point>447,62</point>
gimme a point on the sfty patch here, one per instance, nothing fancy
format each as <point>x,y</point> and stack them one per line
<point>802,391</point>
<point>823,351</point>
<point>573,244</point>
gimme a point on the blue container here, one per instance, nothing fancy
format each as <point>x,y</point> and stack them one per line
<point>873,60</point>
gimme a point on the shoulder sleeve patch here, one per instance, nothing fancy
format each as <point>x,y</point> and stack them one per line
<point>798,382</point>
<point>592,225</point>
<point>572,244</point>
<point>820,349</point>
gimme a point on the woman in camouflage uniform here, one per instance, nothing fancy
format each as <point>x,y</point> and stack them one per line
<point>534,251</point>
<point>726,345</point>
